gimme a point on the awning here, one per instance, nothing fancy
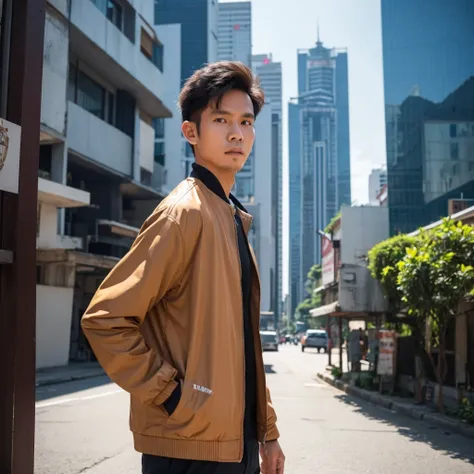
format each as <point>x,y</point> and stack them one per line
<point>325,310</point>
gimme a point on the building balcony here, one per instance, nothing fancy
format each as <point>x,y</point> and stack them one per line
<point>51,197</point>
<point>95,139</point>
<point>60,195</point>
<point>109,52</point>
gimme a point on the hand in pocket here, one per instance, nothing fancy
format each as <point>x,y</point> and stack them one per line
<point>173,400</point>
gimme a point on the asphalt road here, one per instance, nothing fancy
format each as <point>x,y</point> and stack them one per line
<point>82,427</point>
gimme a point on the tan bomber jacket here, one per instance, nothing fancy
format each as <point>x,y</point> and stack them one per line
<point>169,310</point>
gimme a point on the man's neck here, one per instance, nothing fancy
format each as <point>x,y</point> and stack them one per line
<point>226,179</point>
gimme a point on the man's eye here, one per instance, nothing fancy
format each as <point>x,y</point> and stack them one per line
<point>219,120</point>
<point>247,122</point>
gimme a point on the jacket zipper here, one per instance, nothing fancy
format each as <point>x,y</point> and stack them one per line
<point>243,334</point>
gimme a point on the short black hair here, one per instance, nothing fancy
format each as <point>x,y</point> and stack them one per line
<point>209,84</point>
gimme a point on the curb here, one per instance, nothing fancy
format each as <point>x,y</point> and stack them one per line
<point>405,409</point>
<point>53,380</point>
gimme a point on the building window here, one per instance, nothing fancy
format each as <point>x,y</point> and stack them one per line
<point>157,59</point>
<point>453,129</point>
<point>115,13</point>
<point>454,151</point>
<point>160,153</point>
<point>112,10</point>
<point>159,126</point>
<point>90,95</point>
<point>151,49</point>
<point>111,107</point>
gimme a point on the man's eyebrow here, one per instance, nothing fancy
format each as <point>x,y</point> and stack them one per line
<point>227,113</point>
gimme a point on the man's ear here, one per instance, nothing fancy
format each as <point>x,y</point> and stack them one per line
<point>189,130</point>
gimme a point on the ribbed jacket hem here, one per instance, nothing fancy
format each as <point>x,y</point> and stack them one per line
<point>219,451</point>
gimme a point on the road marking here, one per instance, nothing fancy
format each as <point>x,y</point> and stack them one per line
<point>77,399</point>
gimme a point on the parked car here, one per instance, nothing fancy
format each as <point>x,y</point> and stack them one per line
<point>269,340</point>
<point>315,338</point>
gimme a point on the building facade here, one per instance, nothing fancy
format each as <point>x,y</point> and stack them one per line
<point>190,28</point>
<point>256,184</point>
<point>235,32</point>
<point>319,158</point>
<point>99,176</point>
<point>235,44</point>
<point>429,108</point>
<point>270,75</point>
<point>377,180</point>
<point>261,207</point>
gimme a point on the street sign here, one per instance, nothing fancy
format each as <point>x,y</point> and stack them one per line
<point>10,135</point>
<point>387,348</point>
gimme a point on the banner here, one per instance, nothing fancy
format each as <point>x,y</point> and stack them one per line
<point>327,251</point>
<point>387,352</point>
<point>9,156</point>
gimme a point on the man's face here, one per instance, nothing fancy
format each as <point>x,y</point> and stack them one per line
<point>226,134</point>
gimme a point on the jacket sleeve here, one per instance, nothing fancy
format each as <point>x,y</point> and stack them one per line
<point>272,430</point>
<point>111,322</point>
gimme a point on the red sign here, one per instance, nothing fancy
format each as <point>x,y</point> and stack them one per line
<point>327,254</point>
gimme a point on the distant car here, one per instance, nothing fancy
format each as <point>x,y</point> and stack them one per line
<point>315,338</point>
<point>269,340</point>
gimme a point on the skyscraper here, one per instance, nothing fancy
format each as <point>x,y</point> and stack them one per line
<point>270,75</point>
<point>377,179</point>
<point>319,158</point>
<point>429,107</point>
<point>235,44</point>
<point>196,22</point>
<point>235,32</point>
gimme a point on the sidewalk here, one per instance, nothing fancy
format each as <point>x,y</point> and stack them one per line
<point>68,373</point>
<point>403,406</point>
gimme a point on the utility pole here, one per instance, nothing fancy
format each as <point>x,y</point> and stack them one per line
<point>21,49</point>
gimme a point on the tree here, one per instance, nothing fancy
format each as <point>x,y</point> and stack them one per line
<point>383,260</point>
<point>314,274</point>
<point>314,300</point>
<point>433,279</point>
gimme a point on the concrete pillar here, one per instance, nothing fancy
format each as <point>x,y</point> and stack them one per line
<point>47,226</point>
<point>58,174</point>
<point>136,148</point>
<point>59,163</point>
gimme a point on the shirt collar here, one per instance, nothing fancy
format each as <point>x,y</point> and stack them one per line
<point>210,181</point>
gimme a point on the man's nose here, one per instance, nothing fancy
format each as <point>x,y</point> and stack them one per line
<point>235,133</point>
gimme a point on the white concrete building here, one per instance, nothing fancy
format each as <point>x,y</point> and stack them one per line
<point>260,205</point>
<point>377,180</point>
<point>189,31</point>
<point>270,75</point>
<point>235,32</point>
<point>103,84</point>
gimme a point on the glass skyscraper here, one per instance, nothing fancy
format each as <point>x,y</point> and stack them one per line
<point>428,62</point>
<point>198,19</point>
<point>319,156</point>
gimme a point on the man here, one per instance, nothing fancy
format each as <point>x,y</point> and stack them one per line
<point>176,322</point>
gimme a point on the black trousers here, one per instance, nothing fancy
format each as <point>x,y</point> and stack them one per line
<point>159,465</point>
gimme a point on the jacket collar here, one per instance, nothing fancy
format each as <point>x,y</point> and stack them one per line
<point>210,181</point>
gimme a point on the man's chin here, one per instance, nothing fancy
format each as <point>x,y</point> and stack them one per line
<point>234,164</point>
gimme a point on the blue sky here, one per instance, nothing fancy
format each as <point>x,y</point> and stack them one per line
<point>281,27</point>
